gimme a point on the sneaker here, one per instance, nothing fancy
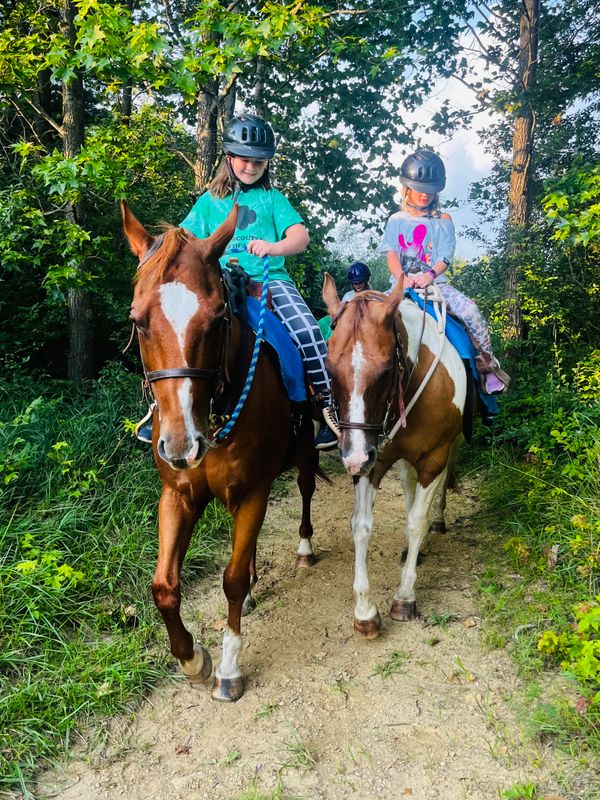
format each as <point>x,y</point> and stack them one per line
<point>492,377</point>
<point>143,430</point>
<point>325,438</point>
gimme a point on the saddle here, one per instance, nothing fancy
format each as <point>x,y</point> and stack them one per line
<point>240,285</point>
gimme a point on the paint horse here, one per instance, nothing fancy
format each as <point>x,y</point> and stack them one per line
<point>196,359</point>
<point>379,354</point>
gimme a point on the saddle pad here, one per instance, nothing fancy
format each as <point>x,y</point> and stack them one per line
<point>459,339</point>
<point>290,361</point>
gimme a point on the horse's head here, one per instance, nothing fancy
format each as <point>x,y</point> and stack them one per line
<point>182,321</point>
<point>362,362</point>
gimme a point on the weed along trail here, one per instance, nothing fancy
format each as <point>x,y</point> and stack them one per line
<point>423,712</point>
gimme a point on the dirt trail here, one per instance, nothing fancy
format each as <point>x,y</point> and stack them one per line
<point>317,720</point>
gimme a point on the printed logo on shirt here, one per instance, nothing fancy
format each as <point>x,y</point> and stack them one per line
<point>412,254</point>
<point>246,216</point>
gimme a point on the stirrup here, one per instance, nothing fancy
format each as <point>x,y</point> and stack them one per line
<point>143,429</point>
<point>331,421</point>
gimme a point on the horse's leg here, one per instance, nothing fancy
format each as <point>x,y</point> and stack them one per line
<point>228,685</point>
<point>249,603</point>
<point>177,516</point>
<point>366,616</point>
<point>438,523</point>
<point>404,606</point>
<point>305,556</point>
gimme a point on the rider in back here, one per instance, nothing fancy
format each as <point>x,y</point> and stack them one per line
<point>419,242</point>
<point>358,278</point>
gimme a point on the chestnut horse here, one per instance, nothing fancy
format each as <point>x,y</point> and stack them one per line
<point>196,359</point>
<point>379,354</point>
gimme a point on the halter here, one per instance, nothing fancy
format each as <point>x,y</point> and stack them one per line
<point>220,375</point>
<point>399,367</point>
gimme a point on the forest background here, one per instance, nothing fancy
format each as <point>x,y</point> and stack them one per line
<point>104,100</point>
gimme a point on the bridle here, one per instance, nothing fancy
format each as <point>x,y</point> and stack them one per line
<point>219,375</point>
<point>398,383</point>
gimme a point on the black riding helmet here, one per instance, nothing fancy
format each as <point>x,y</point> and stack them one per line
<point>358,273</point>
<point>250,137</point>
<point>423,171</point>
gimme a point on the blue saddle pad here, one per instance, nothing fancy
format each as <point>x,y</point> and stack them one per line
<point>459,339</point>
<point>290,361</point>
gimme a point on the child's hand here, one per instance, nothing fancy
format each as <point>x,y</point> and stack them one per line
<point>422,280</point>
<point>262,248</point>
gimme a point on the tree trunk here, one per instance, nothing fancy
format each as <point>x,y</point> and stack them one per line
<point>519,193</point>
<point>80,361</point>
<point>206,136</point>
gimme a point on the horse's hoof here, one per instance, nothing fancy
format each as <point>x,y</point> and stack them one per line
<point>197,670</point>
<point>438,527</point>
<point>227,690</point>
<point>369,628</point>
<point>403,610</point>
<point>248,606</point>
<point>305,562</point>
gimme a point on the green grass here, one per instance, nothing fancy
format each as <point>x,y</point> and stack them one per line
<point>394,664</point>
<point>541,497</point>
<point>79,635</point>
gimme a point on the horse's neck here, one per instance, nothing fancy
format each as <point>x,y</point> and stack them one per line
<point>412,318</point>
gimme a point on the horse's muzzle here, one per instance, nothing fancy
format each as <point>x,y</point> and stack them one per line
<point>360,462</point>
<point>182,457</point>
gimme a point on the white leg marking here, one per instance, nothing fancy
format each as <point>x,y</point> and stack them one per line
<point>416,530</point>
<point>232,646</point>
<point>195,664</point>
<point>305,548</point>
<point>362,525</point>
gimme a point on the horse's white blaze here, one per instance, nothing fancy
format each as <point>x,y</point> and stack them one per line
<point>232,646</point>
<point>362,526</point>
<point>185,401</point>
<point>356,413</point>
<point>178,304</point>
<point>412,316</point>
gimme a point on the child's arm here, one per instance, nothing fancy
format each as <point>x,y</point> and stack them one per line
<point>295,240</point>
<point>393,262</point>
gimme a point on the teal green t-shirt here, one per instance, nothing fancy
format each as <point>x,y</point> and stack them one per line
<point>263,214</point>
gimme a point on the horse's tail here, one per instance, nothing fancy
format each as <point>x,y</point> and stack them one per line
<point>323,476</point>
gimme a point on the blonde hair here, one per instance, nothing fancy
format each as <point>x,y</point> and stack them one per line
<point>432,210</point>
<point>221,184</point>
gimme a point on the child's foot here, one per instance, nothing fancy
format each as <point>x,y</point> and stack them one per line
<point>325,438</point>
<point>493,378</point>
<point>143,430</point>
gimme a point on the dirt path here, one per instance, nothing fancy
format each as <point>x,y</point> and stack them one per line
<point>318,719</point>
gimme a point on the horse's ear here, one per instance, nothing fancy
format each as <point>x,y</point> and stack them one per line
<point>219,239</point>
<point>138,237</point>
<point>395,296</point>
<point>330,295</point>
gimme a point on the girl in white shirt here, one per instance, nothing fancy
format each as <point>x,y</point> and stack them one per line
<point>419,243</point>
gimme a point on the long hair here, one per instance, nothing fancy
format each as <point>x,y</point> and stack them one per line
<point>432,210</point>
<point>222,185</point>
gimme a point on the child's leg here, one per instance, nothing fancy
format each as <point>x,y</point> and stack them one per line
<point>304,330</point>
<point>460,306</point>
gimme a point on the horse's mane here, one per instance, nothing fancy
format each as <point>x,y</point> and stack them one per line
<point>153,269</point>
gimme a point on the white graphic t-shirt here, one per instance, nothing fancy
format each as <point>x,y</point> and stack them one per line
<point>419,241</point>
